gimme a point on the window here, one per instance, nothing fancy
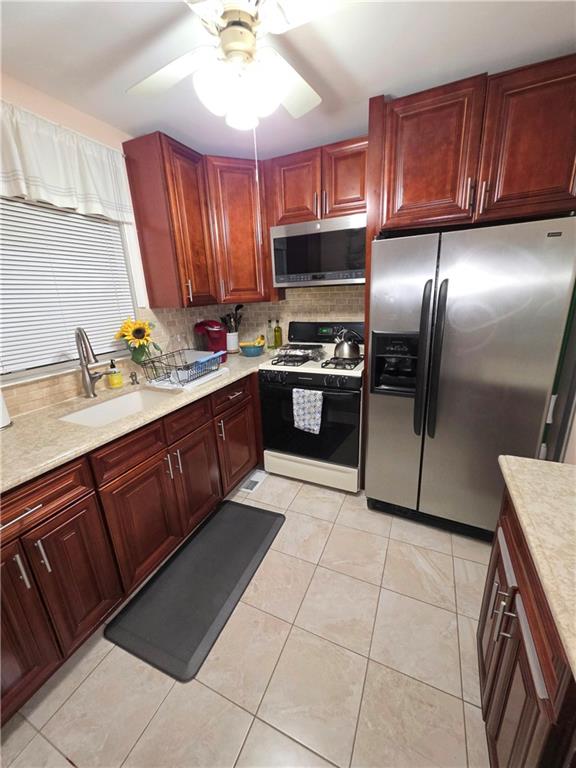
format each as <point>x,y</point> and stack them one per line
<point>58,270</point>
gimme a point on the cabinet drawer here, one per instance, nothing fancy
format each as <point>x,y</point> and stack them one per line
<point>36,500</point>
<point>187,419</point>
<point>118,457</point>
<point>230,396</point>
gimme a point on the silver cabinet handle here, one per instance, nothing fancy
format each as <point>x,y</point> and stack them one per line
<point>177,454</point>
<point>469,200</point>
<point>499,620</point>
<point>23,575</point>
<point>44,557</point>
<point>316,205</point>
<point>190,294</point>
<point>28,511</point>
<point>235,395</point>
<point>324,202</point>
<point>222,433</point>
<point>507,634</point>
<point>483,191</point>
<point>170,471</point>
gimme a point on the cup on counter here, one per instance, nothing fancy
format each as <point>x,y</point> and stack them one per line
<point>232,342</point>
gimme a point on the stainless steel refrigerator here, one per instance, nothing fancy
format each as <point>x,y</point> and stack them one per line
<point>465,333</point>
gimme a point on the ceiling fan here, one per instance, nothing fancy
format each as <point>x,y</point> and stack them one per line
<point>236,77</point>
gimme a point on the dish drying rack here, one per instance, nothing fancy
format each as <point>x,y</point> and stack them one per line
<point>182,369</point>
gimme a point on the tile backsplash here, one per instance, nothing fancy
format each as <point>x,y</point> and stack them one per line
<point>327,303</point>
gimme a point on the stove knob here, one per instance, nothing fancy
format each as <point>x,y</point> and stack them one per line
<point>329,381</point>
<point>342,380</point>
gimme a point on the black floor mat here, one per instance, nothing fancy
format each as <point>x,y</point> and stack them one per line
<point>176,617</point>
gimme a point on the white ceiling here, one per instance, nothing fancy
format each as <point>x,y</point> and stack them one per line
<point>88,53</point>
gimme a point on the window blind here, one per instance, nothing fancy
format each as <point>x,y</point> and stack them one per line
<point>58,270</point>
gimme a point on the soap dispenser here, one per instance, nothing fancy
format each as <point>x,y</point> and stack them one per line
<point>115,378</point>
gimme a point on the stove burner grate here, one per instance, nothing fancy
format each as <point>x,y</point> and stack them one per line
<point>291,359</point>
<point>342,363</point>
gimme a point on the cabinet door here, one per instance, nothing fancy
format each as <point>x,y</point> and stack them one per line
<point>74,566</point>
<point>197,476</point>
<point>517,725</point>
<point>344,178</point>
<point>296,187</point>
<point>191,225</point>
<point>431,154</point>
<point>236,445</point>
<point>29,650</point>
<point>235,205</point>
<point>528,164</point>
<point>142,515</point>
<point>499,592</point>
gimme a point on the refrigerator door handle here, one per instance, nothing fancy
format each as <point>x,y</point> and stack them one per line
<point>422,354</point>
<point>437,358</point>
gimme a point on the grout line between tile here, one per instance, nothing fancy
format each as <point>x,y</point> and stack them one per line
<point>148,723</point>
<point>460,662</point>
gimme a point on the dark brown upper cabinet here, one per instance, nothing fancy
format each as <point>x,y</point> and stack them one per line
<point>528,163</point>
<point>432,146</point>
<point>168,188</point>
<point>344,178</point>
<point>234,192</point>
<point>318,183</point>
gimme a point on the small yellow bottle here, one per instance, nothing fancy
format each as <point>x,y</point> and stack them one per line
<point>115,378</point>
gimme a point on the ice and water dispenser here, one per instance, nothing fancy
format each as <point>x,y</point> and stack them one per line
<point>394,358</point>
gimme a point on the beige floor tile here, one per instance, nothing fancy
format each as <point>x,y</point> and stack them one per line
<point>420,573</point>
<point>101,721</point>
<point>355,501</point>
<point>470,579</point>
<point>356,515</point>
<point>278,491</point>
<point>267,748</point>
<point>471,549</point>
<point>419,640</point>
<point>467,629</point>
<point>302,536</point>
<point>194,728</point>
<point>421,535</point>
<point>249,501</point>
<point>407,724</point>
<point>341,609</point>
<point>243,658</point>
<point>355,553</point>
<point>475,738</point>
<point>40,754</point>
<point>317,501</point>
<point>40,708</point>
<point>314,695</point>
<point>17,733</point>
<point>279,585</point>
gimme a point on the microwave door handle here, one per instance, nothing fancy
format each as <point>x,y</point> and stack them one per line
<point>422,355</point>
<point>437,358</point>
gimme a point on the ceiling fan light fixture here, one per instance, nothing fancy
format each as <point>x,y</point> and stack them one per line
<point>213,86</point>
<point>241,119</point>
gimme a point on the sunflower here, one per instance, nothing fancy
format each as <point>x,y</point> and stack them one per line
<point>135,333</point>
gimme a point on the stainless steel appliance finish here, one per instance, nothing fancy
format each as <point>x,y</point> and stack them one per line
<point>485,367</point>
<point>308,274</point>
<point>347,345</point>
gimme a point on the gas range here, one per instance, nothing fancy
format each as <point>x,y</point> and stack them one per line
<point>312,366</point>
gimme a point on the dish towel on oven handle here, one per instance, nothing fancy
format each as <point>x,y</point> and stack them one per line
<point>307,409</point>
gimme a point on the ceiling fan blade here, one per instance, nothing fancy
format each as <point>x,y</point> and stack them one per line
<point>210,11</point>
<point>174,72</point>
<point>279,16</point>
<point>299,96</point>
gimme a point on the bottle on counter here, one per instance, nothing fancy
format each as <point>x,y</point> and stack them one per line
<point>115,378</point>
<point>277,335</point>
<point>270,336</point>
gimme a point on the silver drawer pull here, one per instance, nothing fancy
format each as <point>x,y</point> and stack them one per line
<point>500,613</point>
<point>29,511</point>
<point>507,635</point>
<point>177,454</point>
<point>23,575</point>
<point>222,433</point>
<point>45,562</point>
<point>190,294</point>
<point>235,395</point>
<point>170,471</point>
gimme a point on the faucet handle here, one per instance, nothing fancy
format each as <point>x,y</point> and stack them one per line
<point>134,378</point>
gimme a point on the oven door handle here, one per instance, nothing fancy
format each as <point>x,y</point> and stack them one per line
<point>325,392</point>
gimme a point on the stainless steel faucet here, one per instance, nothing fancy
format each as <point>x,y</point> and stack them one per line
<point>87,359</point>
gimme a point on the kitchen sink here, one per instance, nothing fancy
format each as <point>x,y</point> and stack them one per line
<point>101,414</point>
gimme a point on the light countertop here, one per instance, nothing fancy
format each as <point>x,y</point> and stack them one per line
<point>39,441</point>
<point>544,497</point>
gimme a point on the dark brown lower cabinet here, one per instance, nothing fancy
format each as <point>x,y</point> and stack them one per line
<point>527,687</point>
<point>237,447</point>
<point>74,567</point>
<point>195,461</point>
<point>29,650</point>
<point>142,514</point>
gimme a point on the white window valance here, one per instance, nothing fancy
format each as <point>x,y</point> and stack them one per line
<point>44,162</point>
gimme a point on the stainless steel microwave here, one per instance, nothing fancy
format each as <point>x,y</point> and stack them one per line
<point>326,252</point>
